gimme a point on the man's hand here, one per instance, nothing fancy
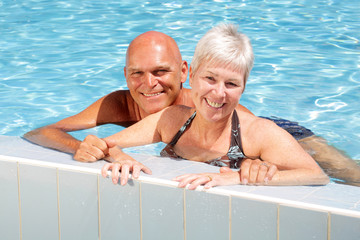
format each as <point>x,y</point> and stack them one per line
<point>91,149</point>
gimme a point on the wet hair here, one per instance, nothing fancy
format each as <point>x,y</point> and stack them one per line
<point>224,45</point>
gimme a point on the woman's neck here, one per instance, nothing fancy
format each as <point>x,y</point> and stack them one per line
<point>210,132</point>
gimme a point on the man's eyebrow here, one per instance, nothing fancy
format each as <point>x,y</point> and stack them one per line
<point>163,67</point>
<point>132,69</point>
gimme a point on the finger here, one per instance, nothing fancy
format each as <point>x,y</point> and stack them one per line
<point>115,172</point>
<point>199,181</point>
<point>125,169</point>
<point>105,169</point>
<point>96,153</point>
<point>271,172</point>
<point>181,177</point>
<point>136,171</point>
<point>262,173</point>
<point>85,157</point>
<point>145,169</point>
<point>245,171</point>
<point>254,170</point>
<point>225,170</point>
<point>110,142</point>
<point>185,181</point>
<point>96,142</point>
<point>211,183</point>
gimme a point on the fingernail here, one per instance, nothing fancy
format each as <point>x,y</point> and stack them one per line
<point>266,180</point>
<point>245,182</point>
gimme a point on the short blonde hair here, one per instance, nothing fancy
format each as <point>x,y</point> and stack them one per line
<point>225,45</point>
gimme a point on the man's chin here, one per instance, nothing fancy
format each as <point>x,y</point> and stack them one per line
<point>152,110</point>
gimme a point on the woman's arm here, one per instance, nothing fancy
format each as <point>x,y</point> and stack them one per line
<point>275,145</point>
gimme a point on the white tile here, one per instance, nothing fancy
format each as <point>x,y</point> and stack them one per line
<point>119,210</point>
<point>39,205</point>
<point>207,216</point>
<point>253,220</point>
<point>300,224</point>
<point>162,212</point>
<point>9,201</point>
<point>78,205</point>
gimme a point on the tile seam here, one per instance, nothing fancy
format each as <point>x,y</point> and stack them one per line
<point>98,196</point>
<point>58,201</point>
<point>19,197</point>
<point>140,207</point>
<point>184,212</point>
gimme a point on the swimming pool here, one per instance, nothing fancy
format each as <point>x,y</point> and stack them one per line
<point>58,57</point>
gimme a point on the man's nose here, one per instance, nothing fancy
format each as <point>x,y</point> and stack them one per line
<point>150,80</point>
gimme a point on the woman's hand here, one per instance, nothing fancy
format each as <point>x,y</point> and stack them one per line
<point>256,171</point>
<point>121,162</point>
<point>209,180</point>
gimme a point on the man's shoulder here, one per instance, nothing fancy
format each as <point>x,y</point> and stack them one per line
<point>119,107</point>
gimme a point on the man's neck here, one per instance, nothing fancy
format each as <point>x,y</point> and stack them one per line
<point>184,98</point>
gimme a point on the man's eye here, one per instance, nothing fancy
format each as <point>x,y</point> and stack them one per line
<point>210,78</point>
<point>160,72</point>
<point>138,73</point>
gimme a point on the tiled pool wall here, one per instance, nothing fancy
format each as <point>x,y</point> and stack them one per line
<point>42,200</point>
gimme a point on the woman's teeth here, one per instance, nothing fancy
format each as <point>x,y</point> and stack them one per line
<point>214,104</point>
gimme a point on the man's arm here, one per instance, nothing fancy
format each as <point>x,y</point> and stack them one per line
<point>112,108</point>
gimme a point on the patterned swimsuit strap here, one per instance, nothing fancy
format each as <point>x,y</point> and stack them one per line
<point>235,131</point>
<point>182,130</point>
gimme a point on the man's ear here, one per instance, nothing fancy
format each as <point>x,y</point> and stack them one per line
<point>184,71</point>
<point>125,72</point>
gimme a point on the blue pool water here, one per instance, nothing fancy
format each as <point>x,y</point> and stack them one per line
<point>57,57</point>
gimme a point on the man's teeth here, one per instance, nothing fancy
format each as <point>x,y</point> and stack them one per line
<point>151,94</point>
<point>214,104</point>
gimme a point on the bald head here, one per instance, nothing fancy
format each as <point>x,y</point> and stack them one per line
<point>154,41</point>
<point>154,71</point>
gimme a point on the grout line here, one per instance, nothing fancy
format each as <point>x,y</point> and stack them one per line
<point>99,217</point>
<point>230,218</point>
<point>278,222</point>
<point>140,207</point>
<point>184,212</point>
<point>328,226</point>
<point>18,182</point>
<point>58,200</point>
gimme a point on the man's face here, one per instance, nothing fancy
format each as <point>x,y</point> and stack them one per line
<point>154,75</point>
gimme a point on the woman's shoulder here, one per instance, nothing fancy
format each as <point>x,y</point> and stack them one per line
<point>172,119</point>
<point>252,124</point>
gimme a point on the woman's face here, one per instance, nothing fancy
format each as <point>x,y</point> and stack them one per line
<point>216,90</point>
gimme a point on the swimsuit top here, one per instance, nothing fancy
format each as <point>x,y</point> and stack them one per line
<point>232,159</point>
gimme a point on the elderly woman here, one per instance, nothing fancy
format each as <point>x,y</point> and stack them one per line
<point>214,131</point>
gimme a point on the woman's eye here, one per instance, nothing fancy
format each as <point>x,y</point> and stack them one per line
<point>210,78</point>
<point>231,84</point>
